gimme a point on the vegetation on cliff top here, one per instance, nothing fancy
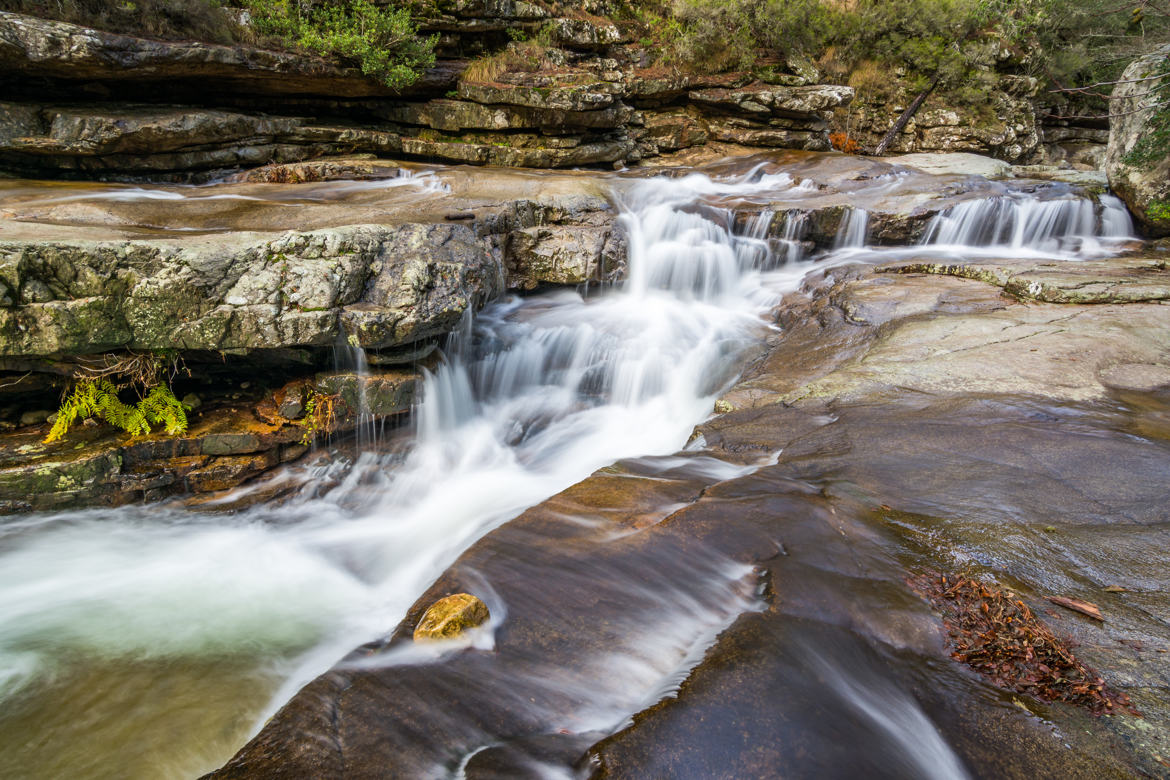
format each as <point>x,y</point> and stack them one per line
<point>1062,42</point>
<point>382,40</point>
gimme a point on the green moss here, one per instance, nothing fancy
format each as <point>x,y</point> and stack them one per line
<point>1159,211</point>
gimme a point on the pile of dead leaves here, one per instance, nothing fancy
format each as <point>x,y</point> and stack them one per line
<point>995,633</point>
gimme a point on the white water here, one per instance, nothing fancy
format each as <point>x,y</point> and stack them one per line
<point>1061,227</point>
<point>532,398</point>
<point>538,395</point>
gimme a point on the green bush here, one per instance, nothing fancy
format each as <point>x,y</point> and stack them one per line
<point>383,42</point>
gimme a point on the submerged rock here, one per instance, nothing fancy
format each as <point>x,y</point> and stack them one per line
<point>451,616</point>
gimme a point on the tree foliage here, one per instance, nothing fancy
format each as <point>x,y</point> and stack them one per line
<point>1062,42</point>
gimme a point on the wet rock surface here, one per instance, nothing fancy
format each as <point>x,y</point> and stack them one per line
<point>233,437</point>
<point>826,487</point>
<point>451,616</point>
<point>83,288</point>
<point>272,268</point>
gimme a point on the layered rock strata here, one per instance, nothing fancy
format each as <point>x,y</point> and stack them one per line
<point>150,108</point>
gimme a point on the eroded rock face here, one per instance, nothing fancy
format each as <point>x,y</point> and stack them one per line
<point>594,106</point>
<point>162,140</point>
<point>1140,175</point>
<point>46,48</point>
<point>1005,128</point>
<point>377,286</point>
<point>565,255</point>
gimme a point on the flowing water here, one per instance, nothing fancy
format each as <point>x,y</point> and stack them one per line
<point>151,641</point>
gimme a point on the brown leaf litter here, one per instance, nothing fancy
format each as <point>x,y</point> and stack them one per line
<point>994,632</point>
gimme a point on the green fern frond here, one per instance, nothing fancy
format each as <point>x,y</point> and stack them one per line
<point>99,398</point>
<point>162,408</point>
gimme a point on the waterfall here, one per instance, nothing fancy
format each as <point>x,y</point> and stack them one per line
<point>351,359</point>
<point>851,232</point>
<point>1019,221</point>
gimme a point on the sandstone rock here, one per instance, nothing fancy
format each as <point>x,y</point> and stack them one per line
<point>499,9</point>
<point>669,131</point>
<point>1144,184</point>
<point>521,157</point>
<point>585,34</point>
<point>450,617</point>
<point>381,285</point>
<point>35,418</point>
<point>457,115</point>
<point>380,394</point>
<point>567,97</point>
<point>956,163</point>
<point>748,134</point>
<point>135,138</point>
<point>1005,127</point>
<point>563,255</point>
<point>767,100</point>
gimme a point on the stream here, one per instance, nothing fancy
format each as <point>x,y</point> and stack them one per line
<point>153,641</point>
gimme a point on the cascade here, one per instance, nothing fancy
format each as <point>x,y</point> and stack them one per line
<point>532,396</point>
<point>1020,221</point>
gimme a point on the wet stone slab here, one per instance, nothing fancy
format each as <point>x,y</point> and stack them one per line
<point>815,655</point>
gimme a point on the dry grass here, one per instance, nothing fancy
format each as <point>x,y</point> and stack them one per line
<point>526,56</point>
<point>870,76</point>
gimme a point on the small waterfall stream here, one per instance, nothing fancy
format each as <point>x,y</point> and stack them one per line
<point>532,396</point>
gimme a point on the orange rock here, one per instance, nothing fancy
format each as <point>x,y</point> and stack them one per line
<point>451,616</point>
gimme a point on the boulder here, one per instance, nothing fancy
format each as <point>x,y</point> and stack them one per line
<point>566,254</point>
<point>450,617</point>
<point>670,131</point>
<point>585,34</point>
<point>1138,167</point>
<point>376,285</point>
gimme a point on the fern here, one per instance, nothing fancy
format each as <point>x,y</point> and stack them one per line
<point>99,398</point>
<point>162,408</point>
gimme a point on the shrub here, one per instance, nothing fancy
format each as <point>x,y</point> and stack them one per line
<point>383,42</point>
